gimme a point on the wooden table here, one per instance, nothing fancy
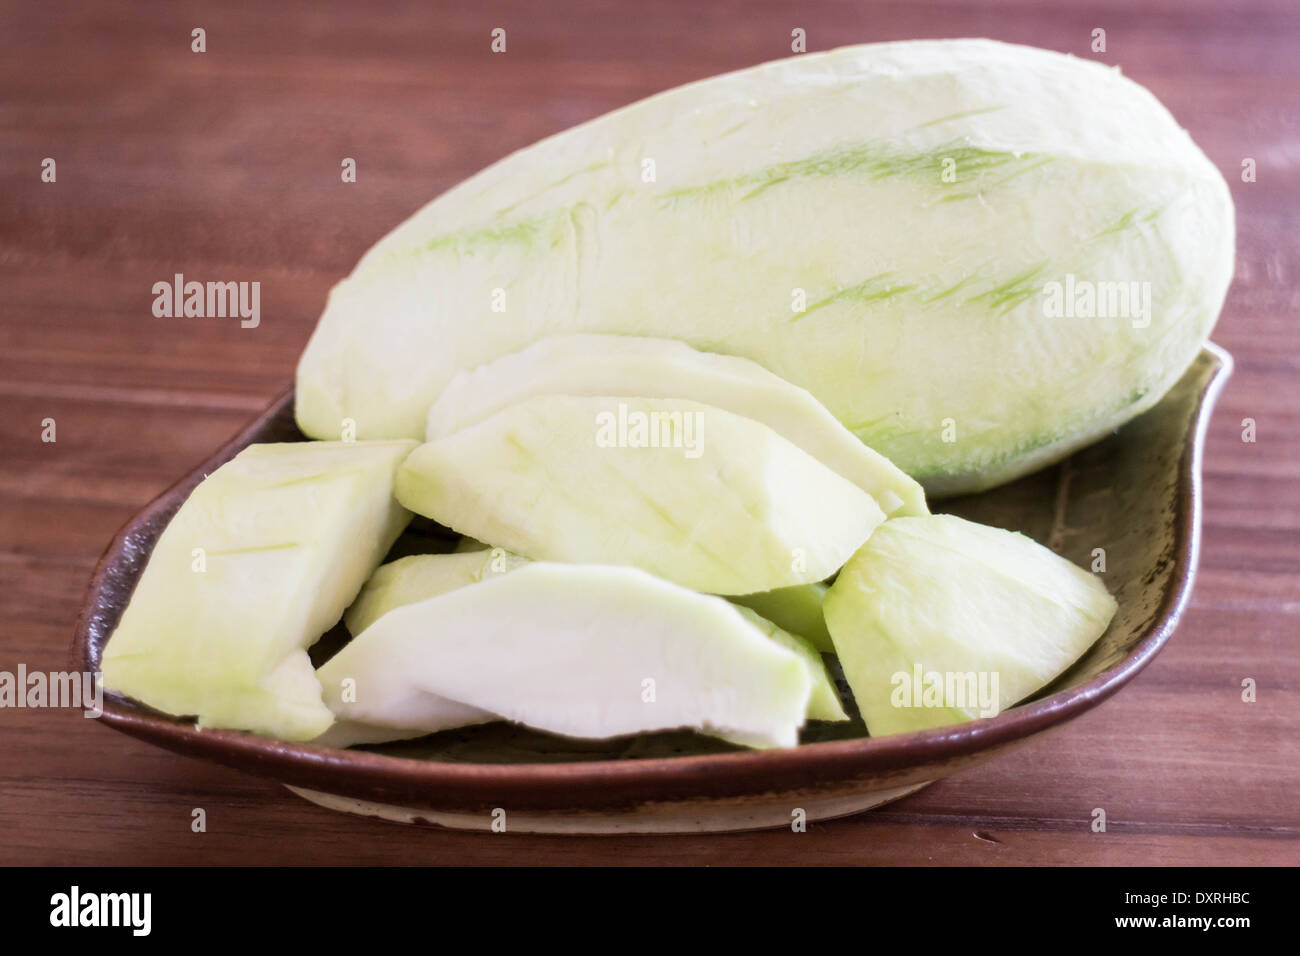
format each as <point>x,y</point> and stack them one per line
<point>226,165</point>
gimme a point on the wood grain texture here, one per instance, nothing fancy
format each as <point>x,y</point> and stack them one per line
<point>225,165</point>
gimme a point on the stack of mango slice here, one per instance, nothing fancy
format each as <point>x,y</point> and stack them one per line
<point>685,415</point>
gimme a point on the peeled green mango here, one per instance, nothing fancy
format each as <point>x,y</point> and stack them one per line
<point>665,368</point>
<point>422,576</point>
<point>797,609</point>
<point>259,561</point>
<point>896,228</point>
<point>723,504</point>
<point>586,651</point>
<point>938,620</point>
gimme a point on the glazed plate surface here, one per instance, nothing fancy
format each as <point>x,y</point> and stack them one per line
<point>1135,494</point>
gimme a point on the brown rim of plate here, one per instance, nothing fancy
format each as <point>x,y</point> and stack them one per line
<point>607,782</point>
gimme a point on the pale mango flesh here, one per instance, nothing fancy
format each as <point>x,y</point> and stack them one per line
<point>887,226</point>
<point>422,576</point>
<point>665,368</point>
<point>797,609</point>
<point>723,505</point>
<point>824,703</point>
<point>604,652</point>
<point>393,709</point>
<point>259,561</point>
<point>938,620</point>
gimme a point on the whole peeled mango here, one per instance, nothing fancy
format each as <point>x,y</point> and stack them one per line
<point>977,256</point>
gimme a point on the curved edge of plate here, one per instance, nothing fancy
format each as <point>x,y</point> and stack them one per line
<point>729,815</point>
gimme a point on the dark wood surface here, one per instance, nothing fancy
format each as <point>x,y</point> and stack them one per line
<point>225,165</point>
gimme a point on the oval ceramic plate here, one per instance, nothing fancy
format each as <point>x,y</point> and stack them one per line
<point>1135,494</point>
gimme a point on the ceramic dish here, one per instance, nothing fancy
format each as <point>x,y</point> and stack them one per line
<point>1135,494</point>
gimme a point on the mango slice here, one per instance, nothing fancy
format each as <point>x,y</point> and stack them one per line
<point>664,368</point>
<point>939,620</point>
<point>585,651</point>
<point>689,492</point>
<point>259,561</point>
